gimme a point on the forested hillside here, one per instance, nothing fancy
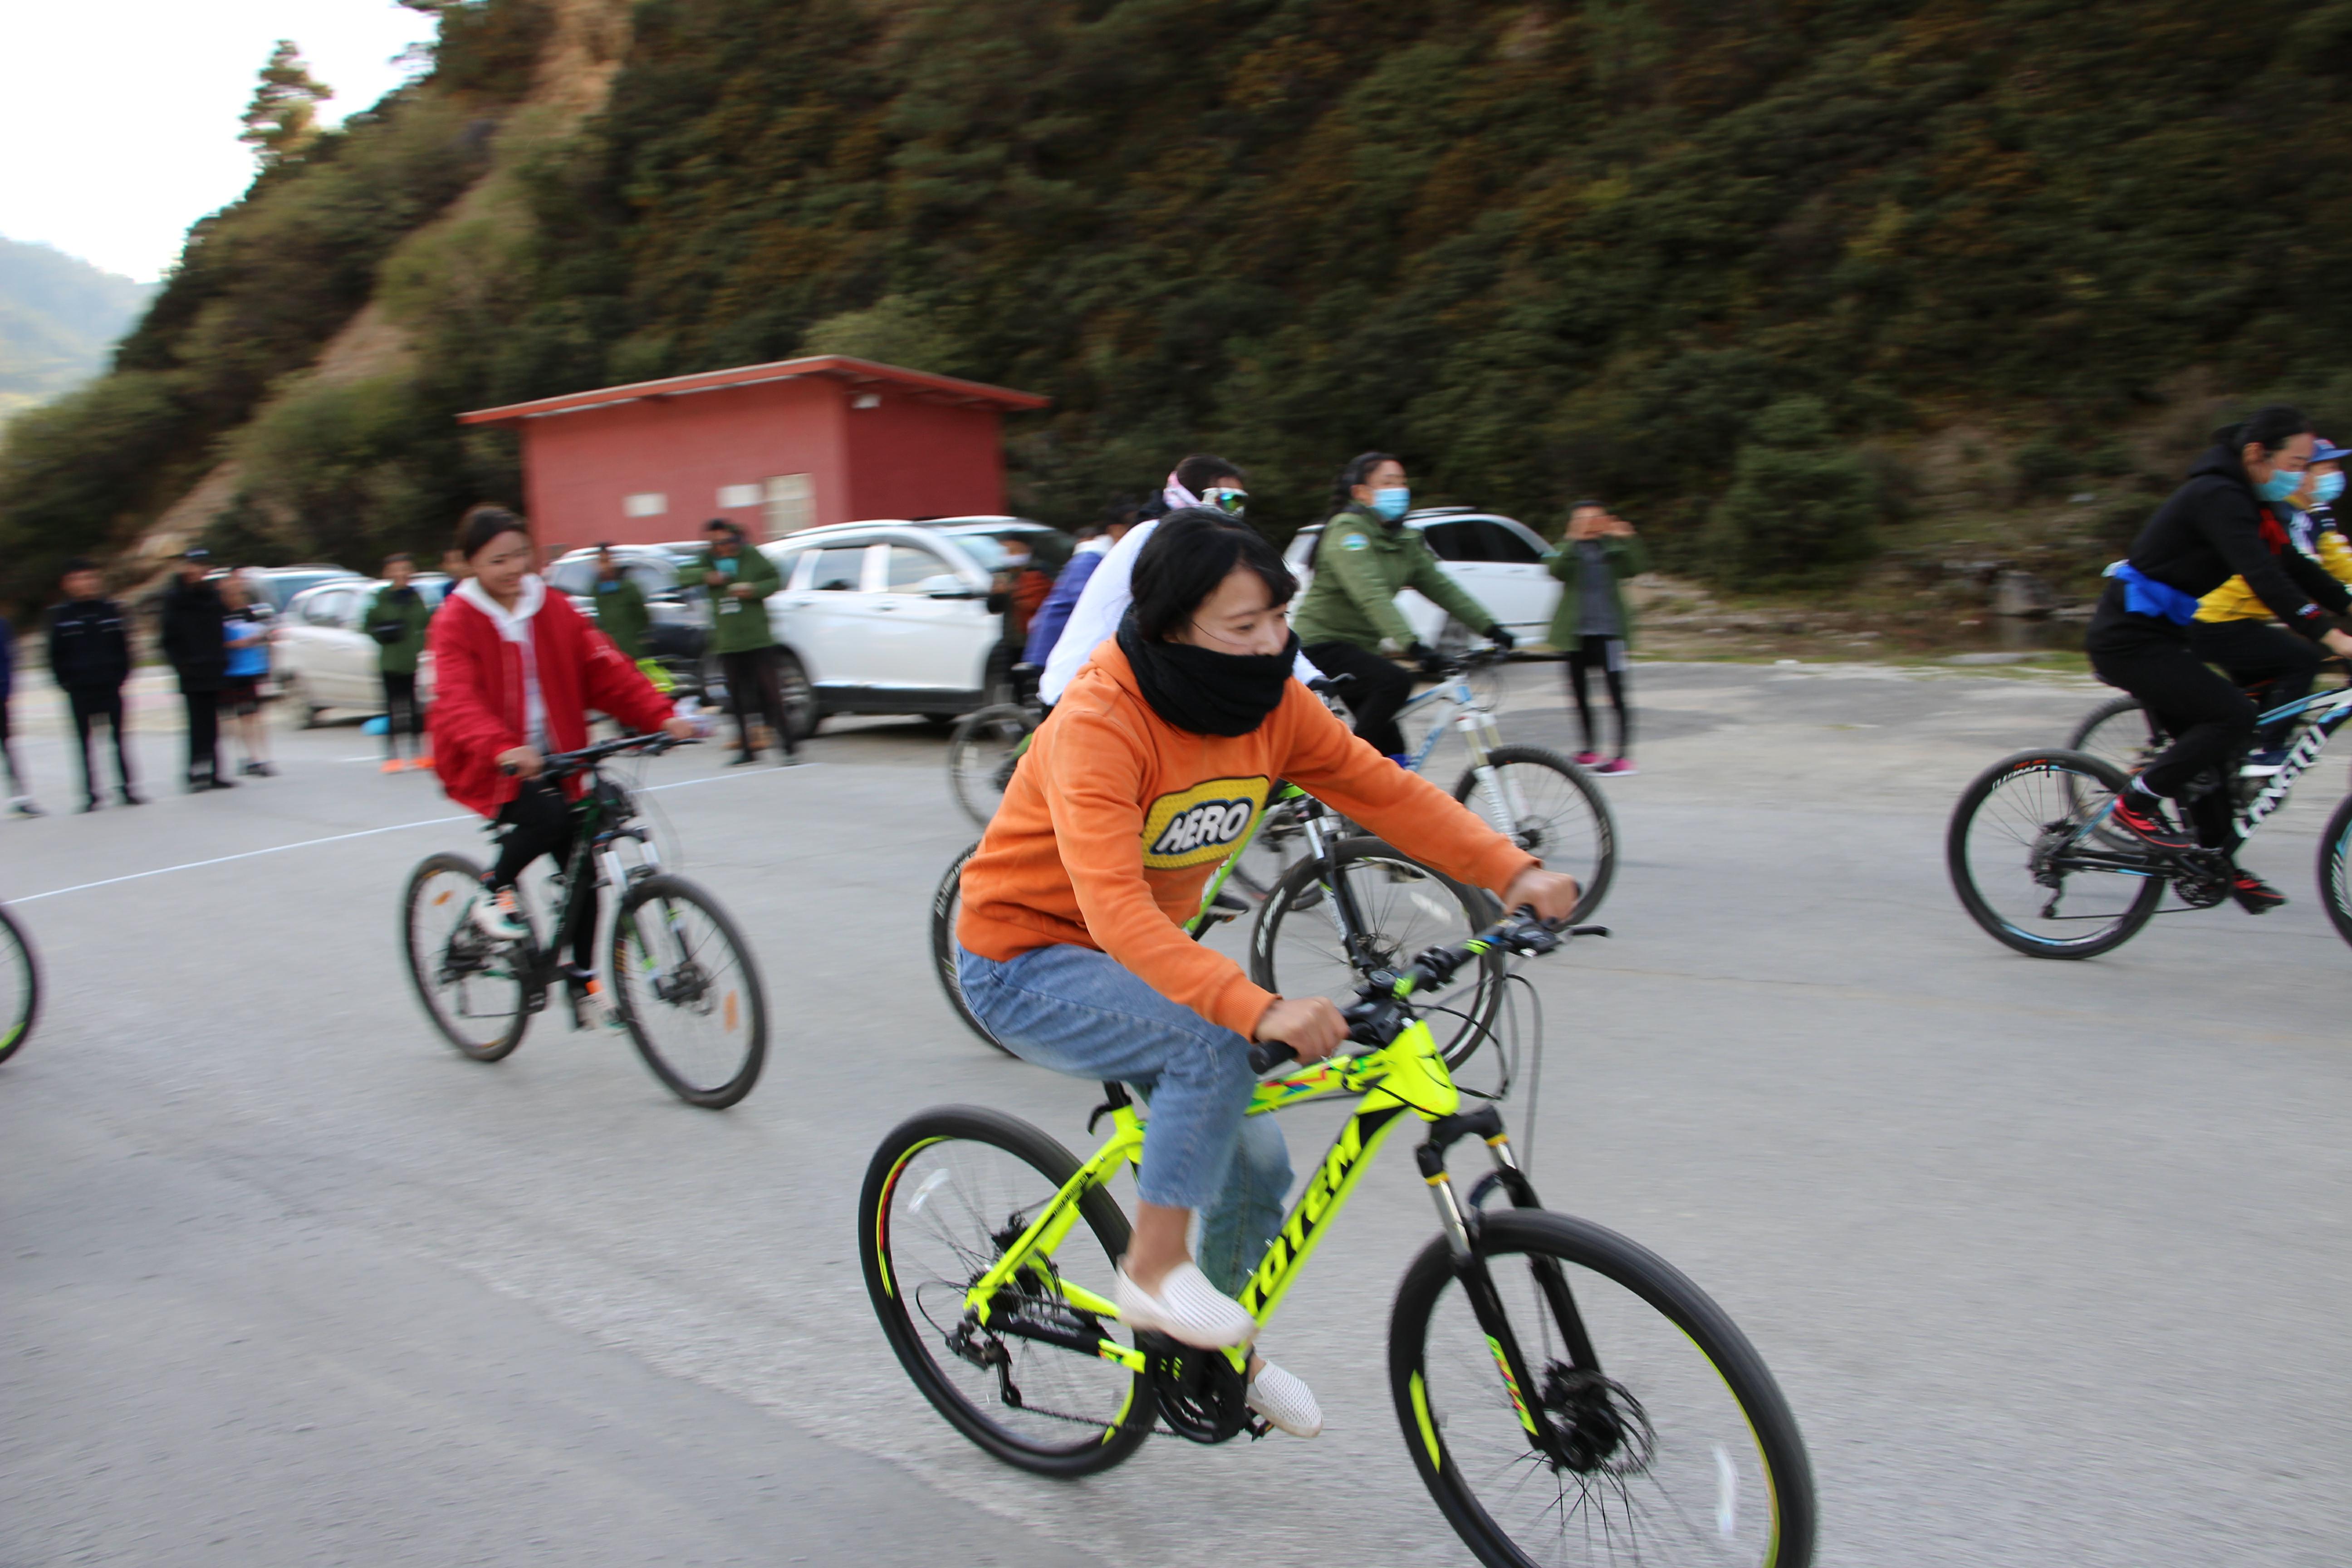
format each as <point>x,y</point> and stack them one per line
<point>1739,265</point>
<point>58,318</point>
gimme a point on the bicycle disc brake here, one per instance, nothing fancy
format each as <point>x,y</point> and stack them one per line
<point>1602,1426</point>
<point>1201,1394</point>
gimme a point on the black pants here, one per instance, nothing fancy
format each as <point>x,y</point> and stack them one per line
<point>401,712</point>
<point>752,685</point>
<point>1609,654</point>
<point>2257,654</point>
<point>8,752</point>
<point>204,733</point>
<point>540,823</point>
<point>87,706</point>
<point>1380,687</point>
<point>2210,719</point>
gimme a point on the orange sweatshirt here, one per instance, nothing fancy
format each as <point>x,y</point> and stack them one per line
<point>1114,819</point>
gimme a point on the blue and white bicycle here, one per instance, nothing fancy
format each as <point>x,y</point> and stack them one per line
<point>2037,865</point>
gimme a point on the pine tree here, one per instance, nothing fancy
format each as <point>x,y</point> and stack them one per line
<point>282,117</point>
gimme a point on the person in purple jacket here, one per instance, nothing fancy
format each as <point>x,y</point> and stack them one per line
<point>1045,626</point>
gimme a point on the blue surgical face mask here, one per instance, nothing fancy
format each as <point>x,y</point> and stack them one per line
<point>2279,486</point>
<point>1392,502</point>
<point>2325,487</point>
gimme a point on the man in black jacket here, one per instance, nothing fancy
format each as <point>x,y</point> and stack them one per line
<point>89,658</point>
<point>196,642</point>
<point>2227,522</point>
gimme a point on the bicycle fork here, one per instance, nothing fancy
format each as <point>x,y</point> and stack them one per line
<point>1505,809</point>
<point>1520,1379</point>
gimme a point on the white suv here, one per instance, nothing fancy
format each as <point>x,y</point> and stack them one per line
<point>323,658</point>
<point>894,617</point>
<point>1499,560</point>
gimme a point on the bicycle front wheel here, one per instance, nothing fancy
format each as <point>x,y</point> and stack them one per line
<point>2035,867</point>
<point>1302,946</point>
<point>1551,808</point>
<point>1675,1444</point>
<point>982,754</point>
<point>689,992</point>
<point>947,903</point>
<point>2335,868</point>
<point>478,992</point>
<point>946,1194</point>
<point>20,987</point>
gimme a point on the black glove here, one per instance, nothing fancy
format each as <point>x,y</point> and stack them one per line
<point>1501,639</point>
<point>1432,662</point>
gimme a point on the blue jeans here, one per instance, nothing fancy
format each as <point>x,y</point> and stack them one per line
<point>1076,1011</point>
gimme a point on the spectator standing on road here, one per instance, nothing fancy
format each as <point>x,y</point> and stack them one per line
<point>1591,625</point>
<point>739,582</point>
<point>89,658</point>
<point>196,642</point>
<point>1365,558</point>
<point>20,799</point>
<point>619,606</point>
<point>516,669</point>
<point>246,628</point>
<point>396,618</point>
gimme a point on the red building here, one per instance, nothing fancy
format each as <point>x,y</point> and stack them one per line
<point>774,448</point>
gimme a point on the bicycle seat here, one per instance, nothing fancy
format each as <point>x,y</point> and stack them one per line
<point>1329,682</point>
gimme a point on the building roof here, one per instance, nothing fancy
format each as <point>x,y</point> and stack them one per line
<point>856,372</point>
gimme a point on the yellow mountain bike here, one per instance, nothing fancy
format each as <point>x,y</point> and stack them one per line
<point>1567,1395</point>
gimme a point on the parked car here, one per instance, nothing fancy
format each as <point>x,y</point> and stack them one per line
<point>323,658</point>
<point>278,585</point>
<point>678,619</point>
<point>1499,560</point>
<point>893,617</point>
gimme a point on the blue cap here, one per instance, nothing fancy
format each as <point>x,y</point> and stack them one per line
<point>2327,451</point>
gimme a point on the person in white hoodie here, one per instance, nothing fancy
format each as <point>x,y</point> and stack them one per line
<point>1200,480</point>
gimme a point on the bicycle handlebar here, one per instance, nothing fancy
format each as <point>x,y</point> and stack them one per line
<point>563,764</point>
<point>1522,932</point>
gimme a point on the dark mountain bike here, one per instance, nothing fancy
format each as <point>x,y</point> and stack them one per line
<point>682,980</point>
<point>20,985</point>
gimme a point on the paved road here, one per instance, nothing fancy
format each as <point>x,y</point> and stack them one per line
<point>2050,1259</point>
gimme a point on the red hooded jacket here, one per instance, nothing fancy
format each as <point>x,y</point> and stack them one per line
<point>477,694</point>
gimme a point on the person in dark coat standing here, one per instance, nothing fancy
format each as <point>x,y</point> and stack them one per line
<point>196,639</point>
<point>89,658</point>
<point>20,800</point>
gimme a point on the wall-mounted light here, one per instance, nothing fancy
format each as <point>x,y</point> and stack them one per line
<point>867,400</point>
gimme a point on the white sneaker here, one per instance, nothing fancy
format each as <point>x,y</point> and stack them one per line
<point>499,918</point>
<point>1187,1308</point>
<point>1285,1401</point>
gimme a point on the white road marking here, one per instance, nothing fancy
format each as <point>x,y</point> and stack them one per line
<point>362,833</point>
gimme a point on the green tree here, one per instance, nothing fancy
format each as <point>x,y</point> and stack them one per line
<point>282,119</point>
<point>1801,507</point>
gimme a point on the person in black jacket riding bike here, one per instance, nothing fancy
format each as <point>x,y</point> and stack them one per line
<point>2227,521</point>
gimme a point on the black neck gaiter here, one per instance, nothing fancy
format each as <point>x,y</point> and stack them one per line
<point>1204,693</point>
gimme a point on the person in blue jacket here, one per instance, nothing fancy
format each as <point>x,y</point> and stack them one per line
<point>1045,626</point>
<point>20,800</point>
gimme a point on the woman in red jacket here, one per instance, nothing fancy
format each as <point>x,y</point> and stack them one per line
<point>515,671</point>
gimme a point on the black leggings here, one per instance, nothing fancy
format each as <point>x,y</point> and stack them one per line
<point>401,712</point>
<point>2257,654</point>
<point>542,823</point>
<point>203,732</point>
<point>752,686</point>
<point>89,706</point>
<point>1380,687</point>
<point>1609,653</point>
<point>2210,719</point>
<point>8,752</point>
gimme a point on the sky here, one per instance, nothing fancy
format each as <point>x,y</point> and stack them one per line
<point>119,117</point>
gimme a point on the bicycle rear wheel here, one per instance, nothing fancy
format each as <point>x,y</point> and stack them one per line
<point>982,754</point>
<point>2034,866</point>
<point>20,985</point>
<point>1280,843</point>
<point>687,989</point>
<point>1297,949</point>
<point>2122,733</point>
<point>1551,808</point>
<point>478,993</point>
<point>947,903</point>
<point>946,1194</point>
<point>1677,1446</point>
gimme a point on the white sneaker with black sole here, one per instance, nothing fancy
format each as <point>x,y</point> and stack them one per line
<point>1285,1401</point>
<point>1187,1308</point>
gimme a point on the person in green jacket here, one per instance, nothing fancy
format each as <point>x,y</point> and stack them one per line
<point>1591,625</point>
<point>739,581</point>
<point>396,618</point>
<point>1365,558</point>
<point>619,606</point>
